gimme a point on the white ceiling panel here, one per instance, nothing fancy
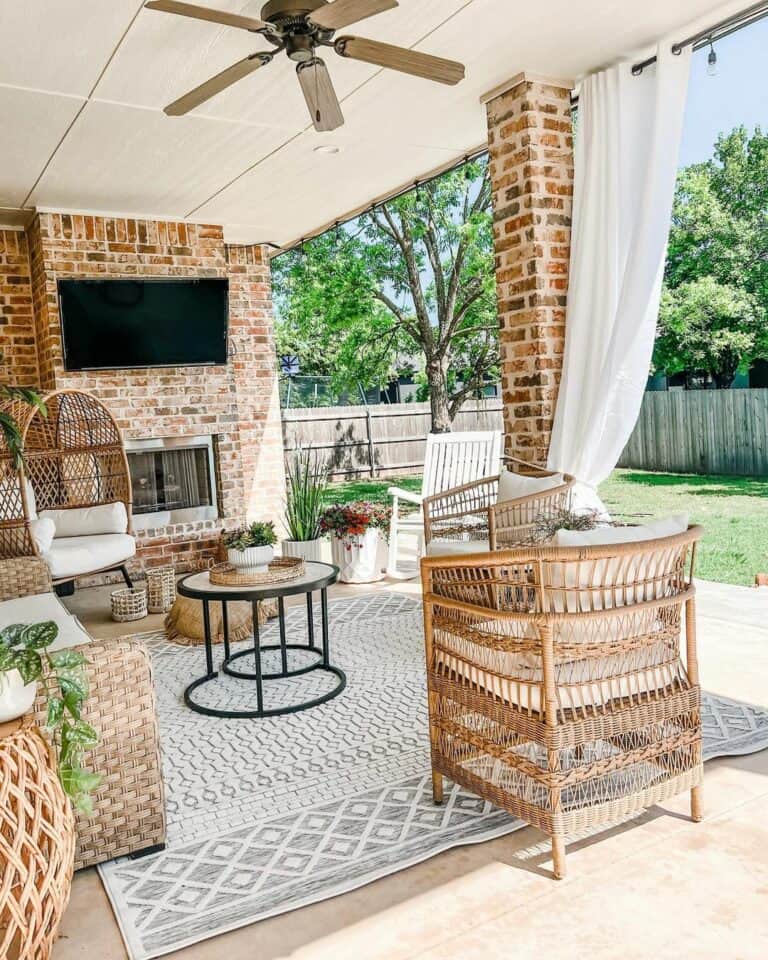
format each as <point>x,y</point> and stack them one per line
<point>32,125</point>
<point>134,160</point>
<point>320,186</point>
<point>60,45</point>
<point>246,158</point>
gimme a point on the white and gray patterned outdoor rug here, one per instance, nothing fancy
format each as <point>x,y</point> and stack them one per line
<point>269,815</point>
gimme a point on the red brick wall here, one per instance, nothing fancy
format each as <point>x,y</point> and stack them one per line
<point>531,162</point>
<point>237,404</point>
<point>18,357</point>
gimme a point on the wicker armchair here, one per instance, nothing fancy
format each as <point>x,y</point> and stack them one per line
<point>470,513</point>
<point>556,686</point>
<point>129,805</point>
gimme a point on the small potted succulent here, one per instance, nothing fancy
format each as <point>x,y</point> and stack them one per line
<point>251,548</point>
<point>306,484</point>
<point>355,530</point>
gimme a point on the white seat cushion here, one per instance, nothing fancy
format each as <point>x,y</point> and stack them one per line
<point>456,548</point>
<point>573,695</point>
<point>88,521</point>
<point>513,485</point>
<point>40,607</point>
<point>73,556</point>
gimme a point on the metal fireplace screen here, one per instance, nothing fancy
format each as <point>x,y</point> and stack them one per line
<point>170,479</point>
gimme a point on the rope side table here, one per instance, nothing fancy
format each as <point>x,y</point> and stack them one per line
<point>37,844</point>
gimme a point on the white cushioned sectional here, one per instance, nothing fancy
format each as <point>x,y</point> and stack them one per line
<point>603,684</point>
<point>45,606</point>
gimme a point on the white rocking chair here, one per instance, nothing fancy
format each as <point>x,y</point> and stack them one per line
<point>451,459</point>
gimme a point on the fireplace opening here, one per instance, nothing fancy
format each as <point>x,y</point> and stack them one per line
<point>173,480</point>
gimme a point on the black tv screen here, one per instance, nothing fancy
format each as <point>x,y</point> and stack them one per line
<point>108,324</point>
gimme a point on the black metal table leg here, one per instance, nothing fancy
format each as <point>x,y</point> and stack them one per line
<point>208,640</point>
<point>225,628</point>
<point>257,657</point>
<point>310,622</point>
<point>326,638</point>
<point>281,623</point>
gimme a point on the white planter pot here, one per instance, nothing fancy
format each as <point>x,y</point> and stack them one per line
<point>16,697</point>
<point>252,559</point>
<point>357,557</point>
<point>306,549</point>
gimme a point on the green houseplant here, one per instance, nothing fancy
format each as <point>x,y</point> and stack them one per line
<point>8,426</point>
<point>25,662</point>
<point>306,485</point>
<point>250,548</point>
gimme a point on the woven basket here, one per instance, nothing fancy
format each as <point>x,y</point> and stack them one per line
<point>37,844</point>
<point>161,589</point>
<point>281,568</point>
<point>129,604</point>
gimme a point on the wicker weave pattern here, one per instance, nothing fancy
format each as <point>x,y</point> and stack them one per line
<point>470,512</point>
<point>557,689</point>
<point>129,805</point>
<point>36,845</point>
<point>74,457</point>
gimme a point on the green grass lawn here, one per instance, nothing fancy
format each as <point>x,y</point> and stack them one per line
<point>732,510</point>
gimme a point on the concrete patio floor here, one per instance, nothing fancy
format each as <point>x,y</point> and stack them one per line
<point>658,886</point>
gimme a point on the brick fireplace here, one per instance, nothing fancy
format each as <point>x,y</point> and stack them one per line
<point>232,410</point>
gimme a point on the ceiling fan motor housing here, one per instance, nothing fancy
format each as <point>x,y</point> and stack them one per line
<point>290,15</point>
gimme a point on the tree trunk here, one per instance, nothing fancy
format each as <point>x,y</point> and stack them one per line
<point>438,397</point>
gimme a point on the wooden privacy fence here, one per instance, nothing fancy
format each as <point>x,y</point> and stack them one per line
<point>701,431</point>
<point>380,441</point>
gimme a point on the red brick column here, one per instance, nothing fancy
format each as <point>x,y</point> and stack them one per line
<point>531,161</point>
<point>18,356</point>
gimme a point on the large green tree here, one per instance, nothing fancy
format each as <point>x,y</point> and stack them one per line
<point>719,234</point>
<point>411,277</point>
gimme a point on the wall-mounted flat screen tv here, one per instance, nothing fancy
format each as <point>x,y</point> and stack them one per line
<point>146,322</point>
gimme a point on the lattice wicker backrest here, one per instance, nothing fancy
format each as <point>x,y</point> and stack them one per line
<point>453,459</point>
<point>549,583</point>
<point>74,457</point>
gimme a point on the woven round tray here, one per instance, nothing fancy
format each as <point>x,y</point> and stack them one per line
<point>281,568</point>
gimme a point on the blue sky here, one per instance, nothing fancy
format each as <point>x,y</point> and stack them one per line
<point>737,95</point>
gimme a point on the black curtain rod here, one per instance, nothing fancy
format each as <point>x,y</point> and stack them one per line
<point>703,38</point>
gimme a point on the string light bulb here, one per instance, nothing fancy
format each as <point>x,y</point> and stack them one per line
<point>712,61</point>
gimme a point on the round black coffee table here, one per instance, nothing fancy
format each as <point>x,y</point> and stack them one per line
<point>316,576</point>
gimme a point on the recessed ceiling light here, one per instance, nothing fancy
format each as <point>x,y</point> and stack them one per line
<point>327,148</point>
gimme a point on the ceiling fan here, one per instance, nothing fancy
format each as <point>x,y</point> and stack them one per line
<point>300,28</point>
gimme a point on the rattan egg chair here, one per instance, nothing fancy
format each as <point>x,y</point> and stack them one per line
<point>74,459</point>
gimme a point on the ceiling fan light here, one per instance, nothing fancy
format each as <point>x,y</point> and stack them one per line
<point>320,96</point>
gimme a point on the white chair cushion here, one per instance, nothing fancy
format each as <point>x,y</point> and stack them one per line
<point>88,521</point>
<point>666,527</point>
<point>40,607</point>
<point>73,556</point>
<point>643,570</point>
<point>43,531</point>
<point>513,485</point>
<point>456,548</point>
<point>529,695</point>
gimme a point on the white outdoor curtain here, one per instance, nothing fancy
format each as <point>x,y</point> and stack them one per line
<point>626,156</point>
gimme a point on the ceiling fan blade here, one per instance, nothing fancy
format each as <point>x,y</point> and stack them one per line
<point>340,13</point>
<point>399,58</point>
<point>216,84</point>
<point>207,13</point>
<point>321,98</point>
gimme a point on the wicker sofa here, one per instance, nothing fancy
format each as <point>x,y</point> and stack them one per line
<point>556,685</point>
<point>129,806</point>
<point>479,516</point>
